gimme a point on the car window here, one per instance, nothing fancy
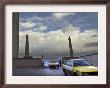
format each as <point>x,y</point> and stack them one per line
<point>65,63</point>
<point>69,63</point>
<point>80,63</point>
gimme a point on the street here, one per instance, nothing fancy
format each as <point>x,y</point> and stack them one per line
<point>37,72</point>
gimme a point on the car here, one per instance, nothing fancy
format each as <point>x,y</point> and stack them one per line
<point>54,65</point>
<point>79,67</point>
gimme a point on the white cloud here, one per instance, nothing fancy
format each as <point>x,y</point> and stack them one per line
<point>55,43</point>
<point>61,15</point>
<point>70,28</point>
<point>37,23</point>
<point>40,28</point>
<point>26,25</point>
<point>32,26</point>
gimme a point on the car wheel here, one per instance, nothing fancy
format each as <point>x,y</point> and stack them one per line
<point>74,74</point>
<point>64,72</point>
<point>58,67</point>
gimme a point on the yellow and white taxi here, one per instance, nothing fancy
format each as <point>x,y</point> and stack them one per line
<point>79,67</point>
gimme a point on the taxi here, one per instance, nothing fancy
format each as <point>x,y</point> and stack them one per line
<point>79,67</point>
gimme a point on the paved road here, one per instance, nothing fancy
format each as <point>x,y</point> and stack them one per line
<point>37,72</point>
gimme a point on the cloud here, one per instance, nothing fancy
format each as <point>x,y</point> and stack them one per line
<point>27,25</point>
<point>40,28</point>
<point>41,24</point>
<point>30,24</point>
<point>55,43</point>
<point>70,28</point>
<point>91,44</point>
<point>49,35</point>
<point>61,15</point>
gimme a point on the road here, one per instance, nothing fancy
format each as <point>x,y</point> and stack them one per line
<point>37,72</point>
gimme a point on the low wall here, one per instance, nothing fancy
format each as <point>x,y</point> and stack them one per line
<point>27,63</point>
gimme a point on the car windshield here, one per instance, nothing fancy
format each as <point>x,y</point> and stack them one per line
<point>80,63</point>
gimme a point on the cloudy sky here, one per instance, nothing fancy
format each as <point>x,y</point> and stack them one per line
<point>48,33</point>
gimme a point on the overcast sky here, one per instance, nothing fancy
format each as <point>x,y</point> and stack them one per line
<point>48,33</point>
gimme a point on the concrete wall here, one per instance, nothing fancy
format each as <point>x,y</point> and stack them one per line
<point>27,63</point>
<point>15,34</point>
<point>93,59</point>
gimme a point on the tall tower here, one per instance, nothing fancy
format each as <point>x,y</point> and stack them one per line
<point>42,56</point>
<point>70,47</point>
<point>27,48</point>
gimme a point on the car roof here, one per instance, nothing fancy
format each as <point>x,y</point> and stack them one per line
<point>75,59</point>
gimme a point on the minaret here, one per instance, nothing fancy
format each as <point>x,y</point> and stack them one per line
<point>27,48</point>
<point>70,47</point>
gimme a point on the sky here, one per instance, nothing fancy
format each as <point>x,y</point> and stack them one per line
<point>49,31</point>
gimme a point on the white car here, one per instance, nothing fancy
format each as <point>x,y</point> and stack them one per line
<point>53,65</point>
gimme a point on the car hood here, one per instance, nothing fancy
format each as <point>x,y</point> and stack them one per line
<point>86,69</point>
<point>53,63</point>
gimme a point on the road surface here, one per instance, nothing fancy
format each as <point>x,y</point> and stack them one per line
<point>37,72</point>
